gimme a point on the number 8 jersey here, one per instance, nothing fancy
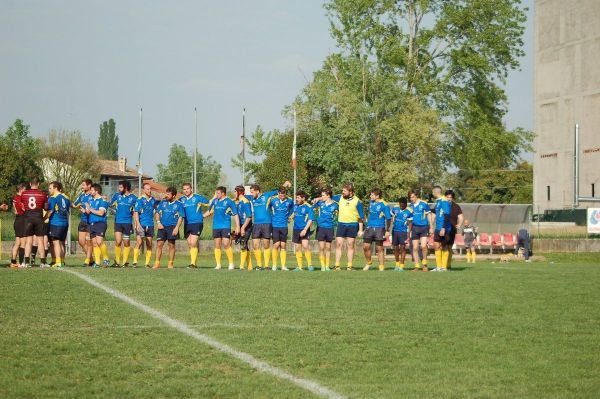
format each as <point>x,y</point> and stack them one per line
<point>34,201</point>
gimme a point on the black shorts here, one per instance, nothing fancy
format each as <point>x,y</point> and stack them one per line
<point>280,234</point>
<point>374,234</point>
<point>469,244</point>
<point>58,232</point>
<point>124,228</point>
<point>20,226</point>
<point>34,225</point>
<point>450,237</point>
<point>166,234</point>
<point>399,238</point>
<point>147,231</point>
<point>347,230</point>
<point>262,230</point>
<point>83,227</point>
<point>97,229</point>
<point>419,232</point>
<point>325,234</point>
<point>445,239</point>
<point>194,229</point>
<point>296,239</point>
<point>221,233</point>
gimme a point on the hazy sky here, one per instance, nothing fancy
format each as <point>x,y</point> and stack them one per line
<point>73,64</point>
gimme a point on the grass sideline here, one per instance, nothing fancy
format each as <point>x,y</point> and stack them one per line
<point>485,330</point>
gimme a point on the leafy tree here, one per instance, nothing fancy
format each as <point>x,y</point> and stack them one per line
<point>180,167</point>
<point>108,141</point>
<point>68,158</point>
<point>19,152</point>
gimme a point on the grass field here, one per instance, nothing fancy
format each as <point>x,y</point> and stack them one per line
<point>483,330</point>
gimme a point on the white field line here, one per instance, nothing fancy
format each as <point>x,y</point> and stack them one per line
<point>197,326</point>
<point>253,362</point>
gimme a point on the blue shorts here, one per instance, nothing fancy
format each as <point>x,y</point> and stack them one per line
<point>347,230</point>
<point>124,228</point>
<point>148,232</point>
<point>58,232</point>
<point>221,233</point>
<point>419,232</point>
<point>263,230</point>
<point>325,234</point>
<point>280,234</point>
<point>166,234</point>
<point>296,239</point>
<point>83,227</point>
<point>194,229</point>
<point>97,229</point>
<point>399,238</point>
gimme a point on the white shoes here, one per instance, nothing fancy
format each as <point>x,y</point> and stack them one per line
<point>218,267</point>
<point>231,267</point>
<point>285,269</point>
<point>366,268</point>
<point>274,268</point>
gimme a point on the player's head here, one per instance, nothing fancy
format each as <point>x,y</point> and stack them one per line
<point>282,193</point>
<point>449,194</point>
<point>412,196</point>
<point>187,189</point>
<point>221,192</point>
<point>21,187</point>
<point>300,197</point>
<point>239,191</point>
<point>402,202</point>
<point>375,194</point>
<point>326,194</point>
<point>86,184</point>
<point>34,183</point>
<point>467,222</point>
<point>170,194</point>
<point>96,189</point>
<point>436,191</point>
<point>55,187</point>
<point>124,186</point>
<point>147,188</point>
<point>255,191</point>
<point>348,190</point>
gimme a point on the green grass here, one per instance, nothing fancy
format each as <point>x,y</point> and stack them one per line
<point>484,330</point>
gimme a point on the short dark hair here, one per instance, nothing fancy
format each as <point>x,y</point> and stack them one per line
<point>377,192</point>
<point>240,189</point>
<point>402,200</point>
<point>301,193</point>
<point>450,193</point>
<point>412,192</point>
<point>34,181</point>
<point>186,184</point>
<point>88,182</point>
<point>282,190</point>
<point>146,184</point>
<point>21,186</point>
<point>97,188</point>
<point>327,191</point>
<point>255,187</point>
<point>172,190</point>
<point>349,187</point>
<point>222,189</point>
<point>57,185</point>
<point>126,184</point>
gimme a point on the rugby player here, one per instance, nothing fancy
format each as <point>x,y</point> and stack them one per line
<point>303,219</point>
<point>281,208</point>
<point>97,209</point>
<point>19,225</point>
<point>378,229</point>
<point>123,202</point>
<point>58,216</point>
<point>443,229</point>
<point>401,222</point>
<point>350,224</point>
<point>83,229</point>
<point>327,210</point>
<point>35,201</point>
<point>143,216</point>
<point>223,208</point>
<point>421,228</point>
<point>169,217</point>
<point>193,220</point>
<point>244,210</point>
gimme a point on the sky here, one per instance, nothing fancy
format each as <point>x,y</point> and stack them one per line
<point>73,64</point>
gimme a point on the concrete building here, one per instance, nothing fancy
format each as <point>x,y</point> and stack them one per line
<point>567,92</point>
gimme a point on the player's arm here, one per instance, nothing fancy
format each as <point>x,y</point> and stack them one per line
<point>445,218</point>
<point>101,211</point>
<point>248,212</point>
<point>361,217</point>
<point>388,220</point>
<point>178,225</point>
<point>236,217</point>
<point>460,221</point>
<point>159,225</point>
<point>210,209</point>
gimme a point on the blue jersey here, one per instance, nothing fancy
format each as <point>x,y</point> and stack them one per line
<point>420,210</point>
<point>97,204</point>
<point>169,212</point>
<point>379,212</point>
<point>80,202</point>
<point>401,219</point>
<point>192,206</point>
<point>442,214</point>
<point>281,212</point>
<point>145,206</point>
<point>260,207</point>
<point>59,204</point>
<point>223,210</point>
<point>244,209</point>
<point>124,205</point>
<point>327,214</point>
<point>302,214</point>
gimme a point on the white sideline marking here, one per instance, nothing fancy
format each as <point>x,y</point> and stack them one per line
<point>253,362</point>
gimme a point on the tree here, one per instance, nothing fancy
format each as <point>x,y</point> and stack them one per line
<point>180,167</point>
<point>68,158</point>
<point>108,141</point>
<point>19,153</point>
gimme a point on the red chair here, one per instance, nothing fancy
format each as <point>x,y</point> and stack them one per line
<point>459,243</point>
<point>497,241</point>
<point>509,241</point>
<point>484,241</point>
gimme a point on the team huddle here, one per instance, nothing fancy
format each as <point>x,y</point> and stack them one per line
<point>260,219</point>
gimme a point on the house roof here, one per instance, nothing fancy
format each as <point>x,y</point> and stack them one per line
<point>111,168</point>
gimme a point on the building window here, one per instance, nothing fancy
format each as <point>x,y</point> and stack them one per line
<point>548,192</point>
<point>593,190</point>
<point>104,180</point>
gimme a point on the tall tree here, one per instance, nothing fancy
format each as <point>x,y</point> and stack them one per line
<point>19,152</point>
<point>108,141</point>
<point>68,158</point>
<point>180,167</point>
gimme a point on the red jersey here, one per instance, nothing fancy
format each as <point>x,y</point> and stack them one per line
<point>18,204</point>
<point>34,201</point>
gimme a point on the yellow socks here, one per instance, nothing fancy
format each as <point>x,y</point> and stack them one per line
<point>267,256</point>
<point>86,261</point>
<point>381,267</point>
<point>472,256</point>
<point>258,257</point>
<point>445,258</point>
<point>299,259</point>
<point>308,256</point>
<point>104,251</point>
<point>274,255</point>
<point>118,254</point>
<point>283,255</point>
<point>97,254</point>
<point>249,261</point>
<point>349,266</point>
<point>243,259</point>
<point>322,261</point>
<point>218,256</point>
<point>193,255</point>
<point>126,254</point>
<point>229,253</point>
<point>397,264</point>
<point>327,261</point>
<point>148,257</point>
<point>136,255</point>
<point>438,258</point>
<point>58,261</point>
